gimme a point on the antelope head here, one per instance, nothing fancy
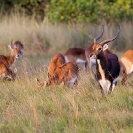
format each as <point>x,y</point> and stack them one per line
<point>99,48</point>
<point>14,50</point>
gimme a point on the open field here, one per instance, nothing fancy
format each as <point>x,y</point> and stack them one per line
<point>24,109</point>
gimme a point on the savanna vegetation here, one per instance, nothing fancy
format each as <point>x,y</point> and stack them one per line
<point>110,11</point>
<point>23,108</point>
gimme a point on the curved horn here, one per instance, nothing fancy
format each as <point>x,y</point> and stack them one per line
<point>11,43</point>
<point>109,40</point>
<point>98,37</point>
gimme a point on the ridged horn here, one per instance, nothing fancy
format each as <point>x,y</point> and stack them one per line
<point>11,43</point>
<point>110,40</point>
<point>98,37</point>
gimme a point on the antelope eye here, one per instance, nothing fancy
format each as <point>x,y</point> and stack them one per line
<point>99,49</point>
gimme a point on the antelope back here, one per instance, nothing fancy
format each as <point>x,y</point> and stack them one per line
<point>72,54</point>
<point>57,60</point>
<point>63,73</point>
<point>68,70</point>
<point>127,60</point>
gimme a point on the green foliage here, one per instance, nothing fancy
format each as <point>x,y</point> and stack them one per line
<point>30,7</point>
<point>72,11</point>
<point>89,11</point>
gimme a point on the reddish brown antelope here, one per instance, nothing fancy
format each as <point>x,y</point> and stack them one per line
<point>10,59</point>
<point>57,60</point>
<point>77,55</point>
<point>107,66</point>
<point>66,73</point>
<point>127,62</point>
<point>6,72</point>
<point>19,46</point>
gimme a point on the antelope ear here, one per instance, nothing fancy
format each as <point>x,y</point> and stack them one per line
<point>10,47</point>
<point>105,47</point>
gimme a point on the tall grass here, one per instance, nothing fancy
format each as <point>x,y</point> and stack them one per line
<point>24,109</point>
<point>44,37</point>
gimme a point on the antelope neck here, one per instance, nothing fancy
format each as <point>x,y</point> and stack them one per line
<point>102,67</point>
<point>10,59</point>
<point>102,60</point>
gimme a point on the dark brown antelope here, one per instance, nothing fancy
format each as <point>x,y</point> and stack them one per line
<point>107,66</point>
<point>82,56</point>
<point>77,55</point>
<point>127,62</point>
<point>91,61</point>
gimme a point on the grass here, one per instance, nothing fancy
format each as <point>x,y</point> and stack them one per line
<point>24,109</point>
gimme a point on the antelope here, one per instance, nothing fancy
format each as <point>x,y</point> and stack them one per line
<point>19,45</point>
<point>66,73</point>
<point>127,62</point>
<point>6,72</point>
<point>107,66</point>
<point>91,61</point>
<point>82,56</point>
<point>57,60</point>
<point>77,55</point>
<point>10,59</point>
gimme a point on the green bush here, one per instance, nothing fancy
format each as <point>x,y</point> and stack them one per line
<point>29,7</point>
<point>89,11</point>
<point>72,11</point>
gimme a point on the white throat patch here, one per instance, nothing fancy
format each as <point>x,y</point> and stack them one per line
<point>105,84</point>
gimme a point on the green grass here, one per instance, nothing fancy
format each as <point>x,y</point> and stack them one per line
<point>25,109</point>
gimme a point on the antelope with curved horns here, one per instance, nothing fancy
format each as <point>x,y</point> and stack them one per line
<point>10,59</point>
<point>127,63</point>
<point>90,61</point>
<point>107,66</point>
<point>77,55</point>
<point>19,45</point>
<point>81,56</point>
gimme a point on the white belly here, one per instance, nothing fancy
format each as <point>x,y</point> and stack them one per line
<point>72,81</point>
<point>80,61</point>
